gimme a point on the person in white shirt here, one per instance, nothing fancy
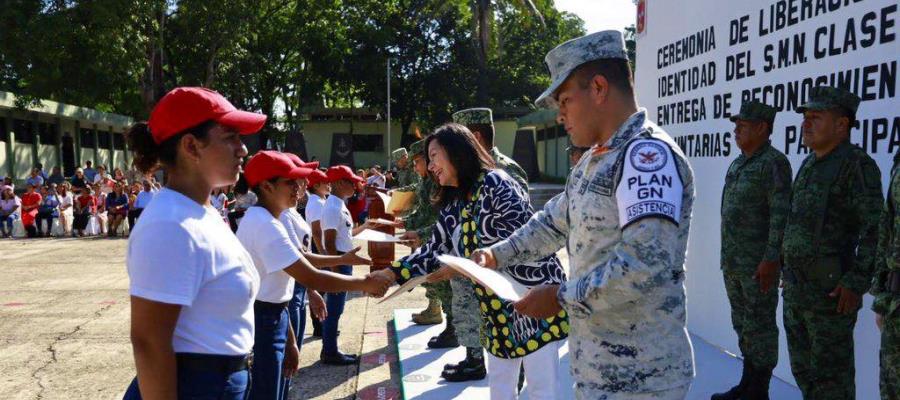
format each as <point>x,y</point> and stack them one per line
<point>140,203</point>
<point>66,202</point>
<point>319,188</point>
<point>192,284</point>
<point>274,179</point>
<point>337,225</point>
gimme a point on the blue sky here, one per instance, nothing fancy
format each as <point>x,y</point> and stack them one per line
<point>600,14</point>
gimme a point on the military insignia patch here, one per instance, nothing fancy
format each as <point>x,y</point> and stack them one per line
<point>648,156</point>
<point>650,185</point>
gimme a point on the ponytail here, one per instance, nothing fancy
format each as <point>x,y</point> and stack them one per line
<point>148,155</point>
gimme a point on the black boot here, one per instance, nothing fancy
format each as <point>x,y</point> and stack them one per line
<point>445,340</point>
<point>758,386</point>
<point>736,392</point>
<point>471,369</point>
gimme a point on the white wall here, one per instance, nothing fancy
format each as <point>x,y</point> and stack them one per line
<point>666,23</point>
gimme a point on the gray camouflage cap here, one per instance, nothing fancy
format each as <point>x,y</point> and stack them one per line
<point>827,97</point>
<point>473,116</point>
<point>756,111</point>
<point>417,148</point>
<point>570,55</point>
<point>398,154</point>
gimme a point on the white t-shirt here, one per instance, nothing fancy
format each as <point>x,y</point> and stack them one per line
<point>267,241</point>
<point>336,216</point>
<point>183,253</point>
<point>298,230</point>
<point>314,207</point>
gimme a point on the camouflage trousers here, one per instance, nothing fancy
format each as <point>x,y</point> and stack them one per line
<point>678,393</point>
<point>820,343</point>
<point>466,313</point>
<point>753,317</point>
<point>890,357</point>
<point>442,292</point>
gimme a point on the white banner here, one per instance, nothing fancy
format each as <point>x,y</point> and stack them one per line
<point>698,60</point>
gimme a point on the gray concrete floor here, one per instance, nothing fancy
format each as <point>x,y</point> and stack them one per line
<point>64,317</point>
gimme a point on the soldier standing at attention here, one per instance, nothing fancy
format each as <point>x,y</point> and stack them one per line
<point>755,203</point>
<point>886,289</point>
<point>829,246</point>
<point>481,122</point>
<point>626,237</point>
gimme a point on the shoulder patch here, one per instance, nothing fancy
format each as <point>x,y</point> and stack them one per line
<point>650,185</point>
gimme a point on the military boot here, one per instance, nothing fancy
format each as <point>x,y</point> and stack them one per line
<point>758,386</point>
<point>431,315</point>
<point>470,369</point>
<point>736,392</point>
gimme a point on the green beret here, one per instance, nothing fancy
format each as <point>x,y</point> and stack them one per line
<point>398,154</point>
<point>474,116</point>
<point>827,98</point>
<point>756,111</point>
<point>417,148</point>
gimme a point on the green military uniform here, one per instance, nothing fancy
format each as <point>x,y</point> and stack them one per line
<point>830,240</point>
<point>407,178</point>
<point>755,204</point>
<point>886,288</point>
<point>484,116</point>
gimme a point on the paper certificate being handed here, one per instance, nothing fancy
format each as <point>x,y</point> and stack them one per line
<point>400,201</point>
<point>375,236</point>
<point>409,285</point>
<point>504,287</point>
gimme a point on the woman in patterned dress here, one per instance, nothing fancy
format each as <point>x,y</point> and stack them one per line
<point>480,206</point>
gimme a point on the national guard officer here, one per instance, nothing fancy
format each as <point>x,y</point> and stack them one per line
<point>755,203</point>
<point>626,237</point>
<point>407,179</point>
<point>481,122</point>
<point>886,289</point>
<point>829,246</point>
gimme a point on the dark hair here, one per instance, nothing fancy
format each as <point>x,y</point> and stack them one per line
<point>616,71</point>
<point>241,186</point>
<point>467,157</point>
<point>148,155</point>
<point>261,196</point>
<point>486,131</point>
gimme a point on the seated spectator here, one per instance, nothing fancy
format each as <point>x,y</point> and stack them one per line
<point>35,179</point>
<point>85,208</point>
<point>89,171</point>
<point>219,201</point>
<point>9,210</point>
<point>48,210</point>
<point>118,175</point>
<point>56,177</point>
<point>142,200</point>
<point>244,199</point>
<point>104,180</point>
<point>41,172</point>
<point>31,201</point>
<point>79,181</point>
<point>116,208</point>
<point>8,181</point>
<point>66,202</point>
<point>100,215</point>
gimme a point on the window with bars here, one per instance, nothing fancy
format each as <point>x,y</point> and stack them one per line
<point>22,129</point>
<point>86,137</point>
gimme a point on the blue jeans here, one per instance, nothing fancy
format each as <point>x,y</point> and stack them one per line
<point>268,354</point>
<point>297,312</point>
<point>204,385</point>
<point>6,223</point>
<point>334,302</point>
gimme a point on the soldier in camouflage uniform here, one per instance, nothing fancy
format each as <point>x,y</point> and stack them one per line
<point>886,288</point>
<point>481,122</point>
<point>626,237</point>
<point>829,246</point>
<point>418,225</point>
<point>755,203</point>
<point>407,179</point>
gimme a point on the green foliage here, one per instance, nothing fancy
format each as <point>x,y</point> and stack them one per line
<point>283,56</point>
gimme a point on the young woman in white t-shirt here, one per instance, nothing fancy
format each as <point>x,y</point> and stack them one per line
<point>192,284</point>
<point>319,189</point>
<point>274,178</point>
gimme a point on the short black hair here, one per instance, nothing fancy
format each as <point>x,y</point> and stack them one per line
<point>486,131</point>
<point>616,71</point>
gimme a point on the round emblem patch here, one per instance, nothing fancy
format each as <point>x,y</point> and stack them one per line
<point>648,156</point>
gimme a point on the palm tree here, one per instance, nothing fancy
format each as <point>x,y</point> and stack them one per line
<point>483,18</point>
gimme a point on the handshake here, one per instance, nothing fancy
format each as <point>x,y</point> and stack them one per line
<point>376,283</point>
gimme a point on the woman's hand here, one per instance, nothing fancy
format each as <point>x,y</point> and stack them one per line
<point>442,274</point>
<point>317,305</point>
<point>484,258</point>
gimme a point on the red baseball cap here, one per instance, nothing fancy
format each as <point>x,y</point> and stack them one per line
<point>299,162</point>
<point>268,164</point>
<point>186,107</point>
<point>339,172</point>
<point>316,177</point>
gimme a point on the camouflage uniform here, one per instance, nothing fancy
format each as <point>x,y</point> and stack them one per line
<point>625,292</point>
<point>407,178</point>
<point>755,204</point>
<point>830,240</point>
<point>886,288</point>
<point>484,116</point>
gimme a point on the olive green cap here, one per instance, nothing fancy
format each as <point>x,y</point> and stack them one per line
<point>827,98</point>
<point>474,116</point>
<point>755,111</point>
